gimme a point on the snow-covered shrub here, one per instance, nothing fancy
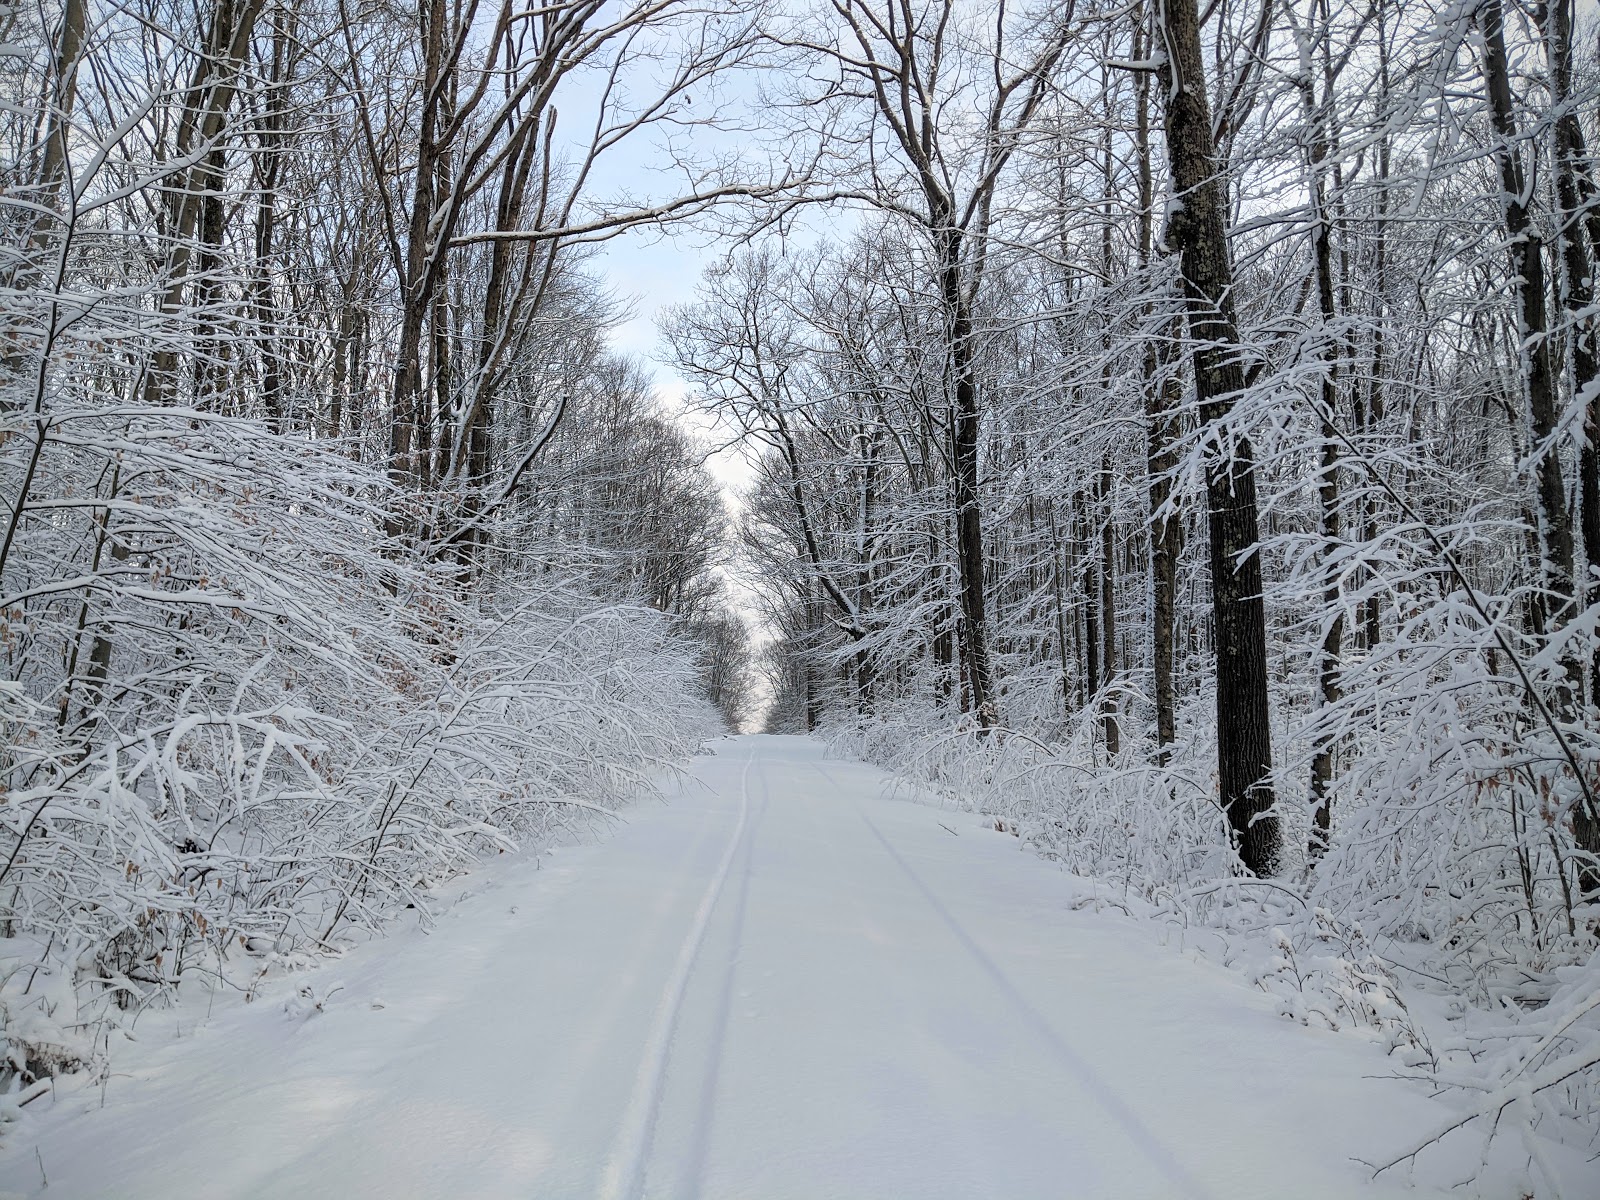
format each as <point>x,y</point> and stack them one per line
<point>238,722</point>
<point>274,658</point>
<point>1450,878</point>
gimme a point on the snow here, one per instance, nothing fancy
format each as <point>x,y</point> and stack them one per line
<point>783,982</point>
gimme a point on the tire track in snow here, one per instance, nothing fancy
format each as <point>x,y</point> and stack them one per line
<point>943,1087</point>
<point>1088,1078</point>
<point>585,1046</point>
<point>624,1169</point>
<point>693,1176</point>
<point>595,1040</point>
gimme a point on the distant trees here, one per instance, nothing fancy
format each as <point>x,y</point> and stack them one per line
<point>882,86</point>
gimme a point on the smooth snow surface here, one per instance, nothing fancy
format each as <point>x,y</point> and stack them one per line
<point>782,983</point>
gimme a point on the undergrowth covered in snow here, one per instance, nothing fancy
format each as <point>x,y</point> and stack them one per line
<point>1440,921</point>
<point>288,730</point>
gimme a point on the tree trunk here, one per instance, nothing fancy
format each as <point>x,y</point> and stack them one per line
<point>1571,169</point>
<point>1198,230</point>
<point>1063,650</point>
<point>268,167</point>
<point>866,543</point>
<point>1329,654</point>
<point>61,101</point>
<point>1527,273</point>
<point>423,264</point>
<point>1161,399</point>
<point>1093,640</point>
<point>965,454</point>
<point>1108,613</point>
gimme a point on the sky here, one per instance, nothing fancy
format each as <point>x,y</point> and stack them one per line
<point>650,273</point>
<point>652,268</point>
<point>649,270</point>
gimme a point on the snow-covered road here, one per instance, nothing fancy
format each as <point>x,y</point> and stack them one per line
<point>783,983</point>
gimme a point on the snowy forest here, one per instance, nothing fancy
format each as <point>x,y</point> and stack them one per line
<point>1173,432</point>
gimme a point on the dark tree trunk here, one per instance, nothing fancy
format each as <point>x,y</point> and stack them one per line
<point>965,455</point>
<point>269,169</point>
<point>1198,230</point>
<point>1572,171</point>
<point>422,267</point>
<point>1162,396</point>
<point>1108,613</point>
<point>866,596</point>
<point>1092,639</point>
<point>1058,568</point>
<point>1166,548</point>
<point>1319,118</point>
<point>1527,274</point>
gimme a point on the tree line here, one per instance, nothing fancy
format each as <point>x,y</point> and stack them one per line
<point>1171,357</point>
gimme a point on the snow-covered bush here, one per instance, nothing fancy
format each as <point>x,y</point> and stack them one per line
<point>1441,919</point>
<point>288,730</point>
<point>292,625</point>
